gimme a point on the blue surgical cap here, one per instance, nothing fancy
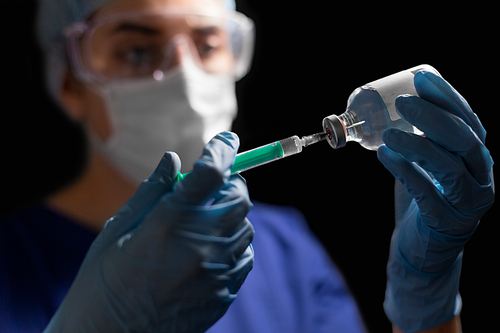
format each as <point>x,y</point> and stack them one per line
<point>55,15</point>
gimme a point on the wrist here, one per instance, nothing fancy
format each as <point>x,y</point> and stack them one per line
<point>417,300</point>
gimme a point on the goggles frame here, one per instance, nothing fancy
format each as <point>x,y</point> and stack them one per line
<point>242,38</point>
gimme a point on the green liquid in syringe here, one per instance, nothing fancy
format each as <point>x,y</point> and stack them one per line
<point>270,152</point>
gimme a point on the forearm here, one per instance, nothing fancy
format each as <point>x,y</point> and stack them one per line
<point>451,326</point>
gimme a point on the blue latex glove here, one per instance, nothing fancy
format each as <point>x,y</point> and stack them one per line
<point>449,184</point>
<point>170,260</point>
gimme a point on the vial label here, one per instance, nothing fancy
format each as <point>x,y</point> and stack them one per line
<point>391,87</point>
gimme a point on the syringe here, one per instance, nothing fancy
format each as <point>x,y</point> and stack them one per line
<point>270,152</point>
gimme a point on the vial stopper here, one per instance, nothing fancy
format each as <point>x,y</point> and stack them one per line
<point>335,130</point>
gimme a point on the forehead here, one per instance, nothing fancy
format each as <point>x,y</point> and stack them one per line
<point>121,6</point>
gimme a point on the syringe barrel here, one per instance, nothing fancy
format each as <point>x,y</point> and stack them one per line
<point>291,146</point>
<point>258,156</point>
<point>252,158</point>
<point>270,152</point>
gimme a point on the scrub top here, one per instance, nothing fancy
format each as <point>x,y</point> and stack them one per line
<point>293,287</point>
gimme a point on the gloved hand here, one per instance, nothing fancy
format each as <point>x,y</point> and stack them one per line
<point>449,184</point>
<point>171,260</point>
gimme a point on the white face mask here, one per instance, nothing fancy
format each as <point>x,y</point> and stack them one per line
<point>180,113</point>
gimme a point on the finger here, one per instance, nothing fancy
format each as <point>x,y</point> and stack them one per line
<point>437,91</point>
<point>402,199</point>
<point>239,272</point>
<point>211,172</point>
<point>222,219</point>
<point>460,189</point>
<point>233,196</point>
<point>223,250</point>
<point>433,207</point>
<point>236,186</point>
<point>414,179</point>
<point>144,200</point>
<point>228,279</point>
<point>448,131</point>
<point>428,155</point>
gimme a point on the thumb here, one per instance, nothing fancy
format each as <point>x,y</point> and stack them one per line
<point>417,182</point>
<point>144,200</point>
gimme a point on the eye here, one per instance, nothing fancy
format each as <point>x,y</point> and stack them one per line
<point>138,56</point>
<point>138,59</point>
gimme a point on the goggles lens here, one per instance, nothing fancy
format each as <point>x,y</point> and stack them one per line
<point>140,45</point>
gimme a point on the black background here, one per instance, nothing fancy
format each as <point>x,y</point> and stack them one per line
<point>309,57</point>
<point>308,60</point>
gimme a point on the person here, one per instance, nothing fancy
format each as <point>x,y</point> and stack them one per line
<point>294,287</point>
<point>181,266</point>
<point>160,264</point>
<point>448,189</point>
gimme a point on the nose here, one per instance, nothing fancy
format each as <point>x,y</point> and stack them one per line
<point>182,50</point>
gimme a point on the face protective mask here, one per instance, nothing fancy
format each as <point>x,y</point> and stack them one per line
<point>179,113</point>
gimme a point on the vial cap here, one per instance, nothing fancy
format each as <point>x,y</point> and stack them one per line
<point>336,132</point>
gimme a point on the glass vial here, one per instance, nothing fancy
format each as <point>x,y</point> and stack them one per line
<point>371,110</point>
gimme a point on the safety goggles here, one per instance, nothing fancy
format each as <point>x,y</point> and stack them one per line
<point>149,43</point>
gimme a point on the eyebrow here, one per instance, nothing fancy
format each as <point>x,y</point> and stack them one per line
<point>135,27</point>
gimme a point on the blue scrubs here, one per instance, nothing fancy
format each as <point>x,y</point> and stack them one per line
<point>293,287</point>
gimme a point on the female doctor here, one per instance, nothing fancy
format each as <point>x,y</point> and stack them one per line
<point>147,76</point>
